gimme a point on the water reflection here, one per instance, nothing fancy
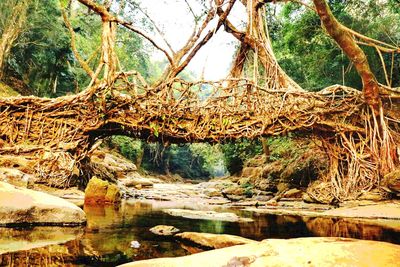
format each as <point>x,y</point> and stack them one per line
<point>351,229</point>
<point>105,241</point>
<point>15,239</point>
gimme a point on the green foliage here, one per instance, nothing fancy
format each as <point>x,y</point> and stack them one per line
<point>188,160</point>
<point>42,57</point>
<point>40,53</point>
<point>130,148</point>
<point>281,147</point>
<point>248,189</point>
<point>6,91</point>
<point>187,163</point>
<point>314,60</point>
<point>235,153</point>
<point>177,159</point>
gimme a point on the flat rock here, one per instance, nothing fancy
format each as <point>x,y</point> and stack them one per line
<point>390,211</point>
<point>21,205</point>
<point>379,211</point>
<point>313,251</point>
<point>207,215</point>
<point>135,181</point>
<point>165,230</point>
<point>213,240</point>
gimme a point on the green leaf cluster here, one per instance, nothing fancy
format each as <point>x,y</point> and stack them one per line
<point>312,58</point>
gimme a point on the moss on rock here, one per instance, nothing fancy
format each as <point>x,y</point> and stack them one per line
<point>113,194</point>
<point>100,191</point>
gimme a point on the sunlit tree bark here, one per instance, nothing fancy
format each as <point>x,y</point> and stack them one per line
<point>349,46</point>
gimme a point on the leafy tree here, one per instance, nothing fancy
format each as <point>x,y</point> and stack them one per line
<point>179,159</point>
<point>300,42</point>
<point>235,153</point>
<point>40,54</point>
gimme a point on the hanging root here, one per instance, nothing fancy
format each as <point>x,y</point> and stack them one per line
<point>358,161</point>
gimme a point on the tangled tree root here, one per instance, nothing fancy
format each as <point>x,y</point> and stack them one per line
<point>58,134</point>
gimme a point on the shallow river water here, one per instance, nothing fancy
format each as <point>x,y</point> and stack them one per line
<point>106,239</point>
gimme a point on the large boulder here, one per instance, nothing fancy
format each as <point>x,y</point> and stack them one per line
<point>109,165</point>
<point>319,192</point>
<point>99,192</point>
<point>234,193</point>
<point>20,205</point>
<point>314,251</point>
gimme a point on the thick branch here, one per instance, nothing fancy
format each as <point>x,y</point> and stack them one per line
<point>107,16</point>
<point>78,57</point>
<point>194,44</point>
<point>205,39</point>
<point>155,26</point>
<point>349,46</point>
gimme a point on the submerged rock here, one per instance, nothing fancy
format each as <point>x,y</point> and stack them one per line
<point>165,230</point>
<point>21,205</point>
<point>314,251</point>
<point>213,241</point>
<point>207,215</point>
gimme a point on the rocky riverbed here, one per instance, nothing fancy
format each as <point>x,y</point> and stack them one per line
<point>219,206</point>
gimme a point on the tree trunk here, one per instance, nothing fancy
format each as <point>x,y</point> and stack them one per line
<point>108,49</point>
<point>265,147</point>
<point>256,38</point>
<point>356,55</point>
<point>139,158</point>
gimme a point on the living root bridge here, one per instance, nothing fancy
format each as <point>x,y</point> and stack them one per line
<point>246,111</point>
<point>56,135</point>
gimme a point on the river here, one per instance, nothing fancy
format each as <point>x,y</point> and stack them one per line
<point>106,239</point>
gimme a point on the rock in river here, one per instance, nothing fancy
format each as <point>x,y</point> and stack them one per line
<point>137,181</point>
<point>213,240</point>
<point>100,192</point>
<point>207,215</point>
<point>312,251</point>
<point>21,205</point>
<point>164,230</point>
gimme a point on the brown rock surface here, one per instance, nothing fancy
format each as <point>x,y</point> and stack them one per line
<point>137,181</point>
